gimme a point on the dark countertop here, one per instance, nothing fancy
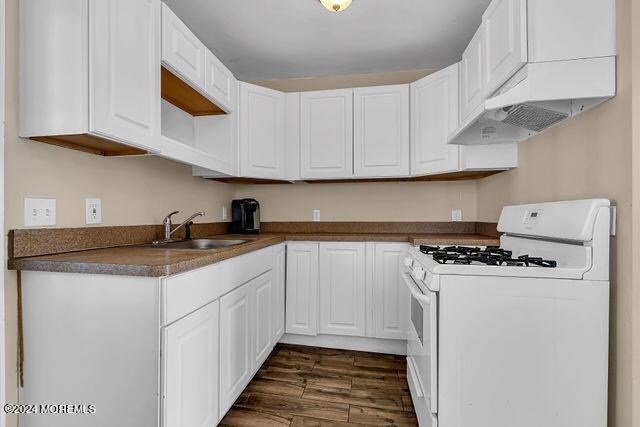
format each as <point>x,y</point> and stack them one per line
<point>138,260</point>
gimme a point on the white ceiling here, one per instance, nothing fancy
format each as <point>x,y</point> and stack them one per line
<point>269,39</point>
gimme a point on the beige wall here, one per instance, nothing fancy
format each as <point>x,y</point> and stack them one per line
<point>415,201</point>
<point>635,25</point>
<point>589,156</point>
<point>340,82</point>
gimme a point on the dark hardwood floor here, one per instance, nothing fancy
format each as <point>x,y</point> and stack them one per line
<point>312,386</point>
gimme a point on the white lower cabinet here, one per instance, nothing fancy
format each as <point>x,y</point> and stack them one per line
<point>390,294</point>
<point>235,345</point>
<point>279,277</point>
<point>190,370</point>
<point>342,289</point>
<point>261,295</point>
<point>302,288</point>
<point>347,289</point>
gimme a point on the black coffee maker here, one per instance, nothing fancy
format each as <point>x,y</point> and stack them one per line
<point>245,216</point>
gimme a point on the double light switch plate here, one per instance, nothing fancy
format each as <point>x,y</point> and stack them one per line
<point>39,212</point>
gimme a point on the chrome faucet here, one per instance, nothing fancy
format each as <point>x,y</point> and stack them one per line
<point>166,223</point>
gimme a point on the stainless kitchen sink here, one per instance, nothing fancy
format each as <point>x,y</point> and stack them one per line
<point>202,244</point>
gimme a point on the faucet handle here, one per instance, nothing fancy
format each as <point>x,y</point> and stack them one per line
<point>167,219</point>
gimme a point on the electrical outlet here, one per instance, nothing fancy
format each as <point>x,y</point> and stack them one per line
<point>316,215</point>
<point>456,215</point>
<point>39,212</point>
<point>225,216</point>
<point>93,211</point>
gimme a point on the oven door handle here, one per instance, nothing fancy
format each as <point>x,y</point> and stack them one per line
<point>415,291</point>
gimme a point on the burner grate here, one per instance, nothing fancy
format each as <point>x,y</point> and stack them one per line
<point>490,255</point>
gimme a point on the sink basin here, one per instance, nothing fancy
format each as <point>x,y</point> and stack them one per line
<point>202,244</point>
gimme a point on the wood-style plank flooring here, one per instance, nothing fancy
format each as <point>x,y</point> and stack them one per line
<point>312,386</point>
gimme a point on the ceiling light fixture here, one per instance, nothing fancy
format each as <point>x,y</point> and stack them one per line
<point>336,5</point>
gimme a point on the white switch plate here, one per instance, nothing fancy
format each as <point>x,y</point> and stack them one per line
<point>456,215</point>
<point>93,211</point>
<point>224,213</point>
<point>316,215</point>
<point>39,212</point>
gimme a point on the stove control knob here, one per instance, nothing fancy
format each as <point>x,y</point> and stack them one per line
<point>418,273</point>
<point>408,262</point>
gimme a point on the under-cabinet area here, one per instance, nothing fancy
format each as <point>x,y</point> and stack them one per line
<point>184,347</point>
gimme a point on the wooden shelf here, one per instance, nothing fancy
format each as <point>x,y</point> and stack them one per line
<point>175,91</point>
<point>249,181</point>
<point>454,176</point>
<point>90,144</point>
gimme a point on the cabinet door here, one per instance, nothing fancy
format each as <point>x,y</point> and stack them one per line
<point>220,84</point>
<point>124,74</point>
<point>262,294</point>
<point>390,294</point>
<point>302,289</point>
<point>434,116</point>
<point>326,134</point>
<point>505,41</point>
<point>381,131</point>
<point>236,328</point>
<point>471,77</point>
<point>182,51</point>
<point>342,289</point>
<point>190,370</point>
<point>262,132</point>
<point>277,307</point>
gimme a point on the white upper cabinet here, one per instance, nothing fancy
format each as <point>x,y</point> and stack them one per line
<point>124,71</point>
<point>434,116</point>
<point>182,51</point>
<point>342,289</point>
<point>262,132</point>
<point>381,131</point>
<point>326,134</point>
<point>302,289</point>
<point>505,41</point>
<point>472,77</point>
<point>219,83</point>
<point>190,370</point>
<point>90,74</point>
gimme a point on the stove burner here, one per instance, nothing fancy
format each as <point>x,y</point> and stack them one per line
<point>490,255</point>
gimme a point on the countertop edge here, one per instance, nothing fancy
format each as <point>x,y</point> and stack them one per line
<point>47,264</point>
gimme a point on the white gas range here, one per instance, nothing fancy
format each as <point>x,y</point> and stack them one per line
<point>515,336</point>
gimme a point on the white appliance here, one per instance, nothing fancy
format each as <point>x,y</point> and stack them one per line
<point>515,336</point>
<point>569,66</point>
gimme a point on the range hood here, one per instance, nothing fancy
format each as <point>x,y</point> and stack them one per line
<point>538,96</point>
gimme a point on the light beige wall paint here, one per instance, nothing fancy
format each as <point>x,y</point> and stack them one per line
<point>133,190</point>
<point>415,201</point>
<point>589,156</point>
<point>340,82</point>
<point>635,48</point>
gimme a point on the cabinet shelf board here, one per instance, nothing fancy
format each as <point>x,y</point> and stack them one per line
<point>453,176</point>
<point>90,144</point>
<point>183,96</point>
<point>249,181</point>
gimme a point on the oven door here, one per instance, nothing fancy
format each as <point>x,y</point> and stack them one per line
<point>422,344</point>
